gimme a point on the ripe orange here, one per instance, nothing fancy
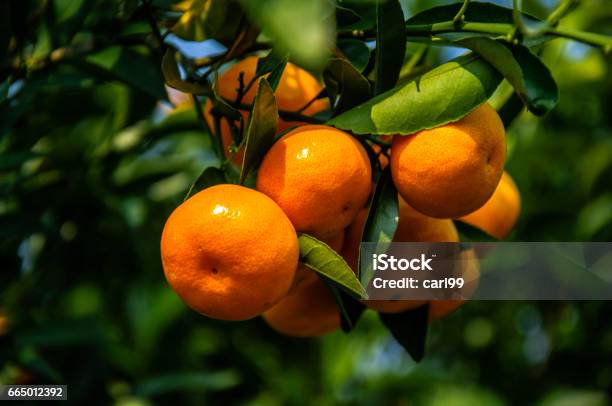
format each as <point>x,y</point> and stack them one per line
<point>319,176</point>
<point>470,271</point>
<point>295,89</point>
<point>416,227</point>
<point>229,252</point>
<point>452,170</point>
<point>500,213</point>
<point>309,310</point>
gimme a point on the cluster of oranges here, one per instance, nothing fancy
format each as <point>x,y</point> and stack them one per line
<point>231,252</point>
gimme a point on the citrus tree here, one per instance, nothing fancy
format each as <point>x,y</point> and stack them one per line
<point>279,134</point>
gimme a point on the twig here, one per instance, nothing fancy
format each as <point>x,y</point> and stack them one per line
<point>558,13</point>
<point>310,102</point>
<point>215,140</point>
<point>459,18</point>
<point>154,27</point>
<point>286,115</point>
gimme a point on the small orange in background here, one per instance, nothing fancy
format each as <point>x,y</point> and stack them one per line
<point>229,252</point>
<point>295,89</point>
<point>308,311</point>
<point>500,213</point>
<point>469,270</point>
<point>4,323</point>
<point>320,176</point>
<point>416,227</point>
<point>451,170</point>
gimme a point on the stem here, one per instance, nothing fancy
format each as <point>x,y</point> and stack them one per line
<point>215,140</point>
<point>374,140</point>
<point>558,13</point>
<point>286,115</point>
<point>448,26</point>
<point>154,28</point>
<point>310,102</point>
<point>590,38</point>
<point>459,18</point>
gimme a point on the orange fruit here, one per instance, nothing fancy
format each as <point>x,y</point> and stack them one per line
<point>295,89</point>
<point>470,271</point>
<point>309,310</point>
<point>319,176</point>
<point>451,170</point>
<point>499,214</point>
<point>416,227</point>
<point>229,252</point>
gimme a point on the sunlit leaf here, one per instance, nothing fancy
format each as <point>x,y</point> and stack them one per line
<point>442,95</point>
<point>319,257</point>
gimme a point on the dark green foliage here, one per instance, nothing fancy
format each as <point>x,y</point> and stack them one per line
<point>93,159</point>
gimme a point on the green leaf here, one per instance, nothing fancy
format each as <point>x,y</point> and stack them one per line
<point>204,19</point>
<point>440,96</point>
<point>383,216</point>
<point>209,177</point>
<point>476,12</point>
<point>528,75</point>
<point>409,328</point>
<point>319,257</point>
<point>350,309</point>
<point>345,86</point>
<point>262,126</point>
<point>390,44</point>
<point>357,52</point>
<point>302,28</point>
<point>542,92</point>
<point>271,64</point>
<point>384,211</point>
<point>130,67</point>
<point>366,10</point>
<point>468,233</point>
<point>173,76</point>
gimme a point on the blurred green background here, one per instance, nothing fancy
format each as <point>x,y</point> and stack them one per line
<point>92,163</point>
